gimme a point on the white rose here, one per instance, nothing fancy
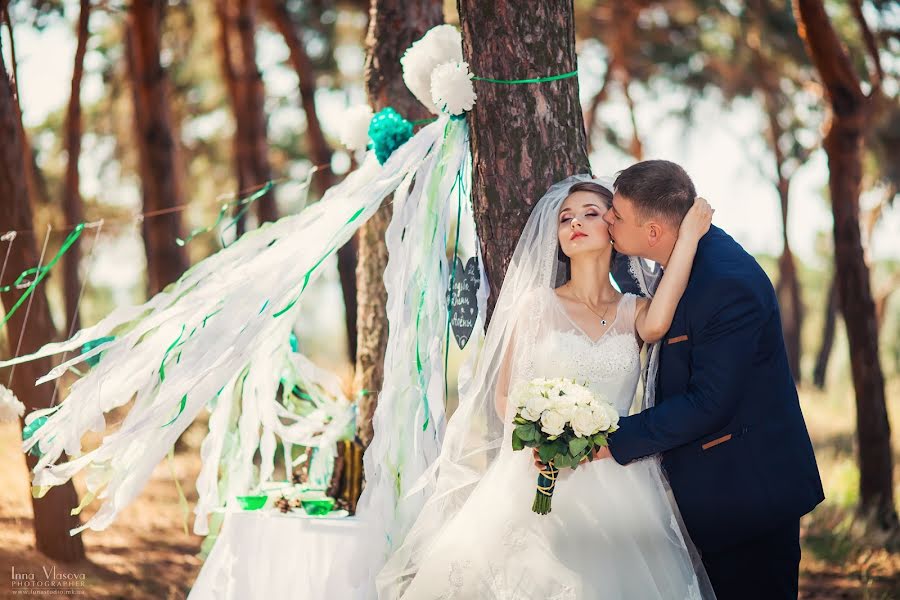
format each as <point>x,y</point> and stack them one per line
<point>583,422</point>
<point>601,420</point>
<point>534,405</point>
<point>529,414</point>
<point>552,422</point>
<point>518,396</point>
<point>555,391</point>
<point>583,397</point>
<point>613,416</point>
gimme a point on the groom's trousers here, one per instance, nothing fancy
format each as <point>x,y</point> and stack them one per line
<point>766,567</point>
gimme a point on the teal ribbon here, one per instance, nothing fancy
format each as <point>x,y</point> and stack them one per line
<point>308,275</point>
<point>39,272</point>
<point>180,410</point>
<point>162,364</point>
<point>29,431</point>
<point>535,80</point>
<point>245,202</point>
<point>88,346</point>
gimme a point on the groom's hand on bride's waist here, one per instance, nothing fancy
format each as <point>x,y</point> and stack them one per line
<point>602,453</point>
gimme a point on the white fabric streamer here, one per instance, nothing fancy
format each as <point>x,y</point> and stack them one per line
<point>409,418</point>
<point>218,336</point>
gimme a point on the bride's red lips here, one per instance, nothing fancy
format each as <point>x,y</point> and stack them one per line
<point>577,234</point>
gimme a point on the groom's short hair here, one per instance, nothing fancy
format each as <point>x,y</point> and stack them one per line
<point>657,188</point>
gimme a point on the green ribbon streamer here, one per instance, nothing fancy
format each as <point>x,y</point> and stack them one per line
<point>162,364</point>
<point>39,272</point>
<point>180,410</point>
<point>535,80</point>
<point>419,364</point>
<point>459,194</point>
<point>309,273</point>
<point>245,202</point>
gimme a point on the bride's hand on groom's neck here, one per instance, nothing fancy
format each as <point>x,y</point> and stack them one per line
<point>697,221</point>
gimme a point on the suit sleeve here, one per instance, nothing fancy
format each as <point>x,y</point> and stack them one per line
<point>724,344</point>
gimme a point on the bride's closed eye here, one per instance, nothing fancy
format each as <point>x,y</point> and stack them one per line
<point>567,219</point>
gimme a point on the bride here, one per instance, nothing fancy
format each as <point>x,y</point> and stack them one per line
<point>613,531</point>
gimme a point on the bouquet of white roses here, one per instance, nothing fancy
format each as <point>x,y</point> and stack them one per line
<point>565,421</point>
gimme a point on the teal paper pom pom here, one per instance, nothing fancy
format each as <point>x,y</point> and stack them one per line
<point>295,344</point>
<point>388,131</point>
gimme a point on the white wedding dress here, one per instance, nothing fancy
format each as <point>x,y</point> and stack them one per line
<point>612,532</point>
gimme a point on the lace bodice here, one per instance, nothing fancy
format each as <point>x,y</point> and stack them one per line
<point>610,364</point>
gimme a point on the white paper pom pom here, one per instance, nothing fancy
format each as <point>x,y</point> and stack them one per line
<point>11,408</point>
<point>451,88</point>
<point>441,44</point>
<point>354,128</point>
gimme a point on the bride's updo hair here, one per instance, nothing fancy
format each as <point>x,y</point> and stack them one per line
<point>594,188</point>
<point>584,186</point>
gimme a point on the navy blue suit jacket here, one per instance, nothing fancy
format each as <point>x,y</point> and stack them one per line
<point>727,419</point>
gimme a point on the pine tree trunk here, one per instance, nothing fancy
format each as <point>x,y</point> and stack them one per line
<point>52,520</point>
<point>166,261</point>
<point>524,137</point>
<point>850,112</point>
<point>393,26</point>
<point>788,286</point>
<point>247,96</point>
<point>828,329</point>
<point>71,195</point>
<point>788,290</point>
<point>37,185</point>
<point>320,152</point>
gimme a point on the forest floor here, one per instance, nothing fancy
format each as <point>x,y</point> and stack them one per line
<point>146,553</point>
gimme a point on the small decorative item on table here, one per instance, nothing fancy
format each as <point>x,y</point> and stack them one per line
<point>316,507</point>
<point>252,502</point>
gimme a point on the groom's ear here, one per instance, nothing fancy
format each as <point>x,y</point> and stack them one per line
<point>654,233</point>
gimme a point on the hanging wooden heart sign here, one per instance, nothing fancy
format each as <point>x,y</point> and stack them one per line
<point>465,303</point>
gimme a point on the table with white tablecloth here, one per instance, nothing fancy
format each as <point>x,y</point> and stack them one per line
<point>267,554</point>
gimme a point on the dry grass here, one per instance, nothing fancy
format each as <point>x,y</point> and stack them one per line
<point>144,555</point>
<point>842,557</point>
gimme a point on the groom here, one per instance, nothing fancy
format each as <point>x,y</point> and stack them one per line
<point>727,420</point>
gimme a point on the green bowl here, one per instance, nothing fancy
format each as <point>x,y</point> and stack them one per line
<point>318,507</point>
<point>252,502</point>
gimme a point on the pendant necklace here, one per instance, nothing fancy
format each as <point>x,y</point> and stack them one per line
<point>602,317</point>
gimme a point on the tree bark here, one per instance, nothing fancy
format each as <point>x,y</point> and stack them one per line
<point>828,329</point>
<point>37,185</point>
<point>502,41</point>
<point>320,152</point>
<point>393,26</point>
<point>849,121</point>
<point>52,519</point>
<point>245,87</point>
<point>788,285</point>
<point>71,196</point>
<point>157,147</point>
